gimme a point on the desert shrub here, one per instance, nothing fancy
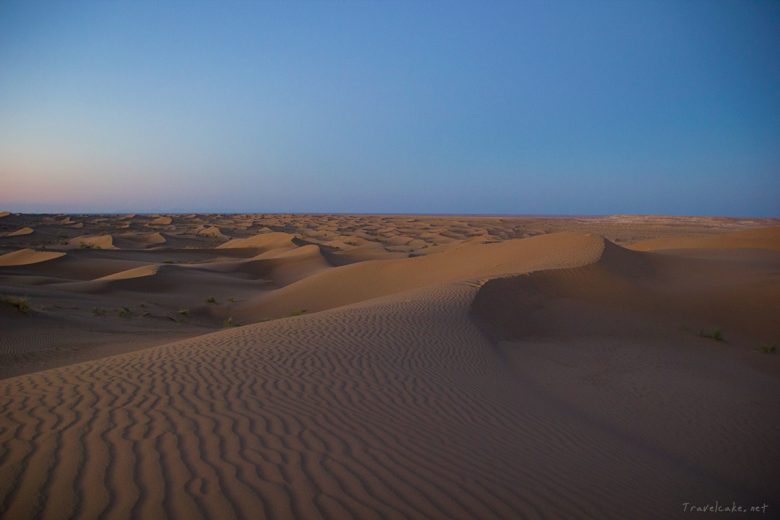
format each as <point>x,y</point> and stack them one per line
<point>229,322</point>
<point>211,300</point>
<point>124,312</point>
<point>715,334</point>
<point>17,302</point>
<point>766,348</point>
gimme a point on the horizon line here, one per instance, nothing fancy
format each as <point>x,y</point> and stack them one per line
<point>405,213</point>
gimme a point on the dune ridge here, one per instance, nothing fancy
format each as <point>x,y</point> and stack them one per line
<point>93,241</point>
<point>262,241</point>
<point>369,279</point>
<point>27,257</point>
<point>24,231</point>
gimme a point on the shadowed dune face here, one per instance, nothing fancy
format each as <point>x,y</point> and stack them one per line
<point>629,343</point>
<point>633,294</point>
<point>139,240</point>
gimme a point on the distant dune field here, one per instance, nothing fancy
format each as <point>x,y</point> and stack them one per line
<point>387,366</point>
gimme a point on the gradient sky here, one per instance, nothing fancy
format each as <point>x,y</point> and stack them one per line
<point>559,107</point>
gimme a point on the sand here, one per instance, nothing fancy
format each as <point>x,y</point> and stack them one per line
<point>18,233</point>
<point>27,257</point>
<point>93,242</point>
<point>388,367</point>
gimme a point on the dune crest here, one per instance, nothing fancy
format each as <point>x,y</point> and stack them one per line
<point>19,232</point>
<point>28,257</point>
<point>135,239</point>
<point>136,272</point>
<point>93,242</point>
<point>210,231</point>
<point>370,279</point>
<point>263,241</point>
<point>161,221</point>
<point>635,293</point>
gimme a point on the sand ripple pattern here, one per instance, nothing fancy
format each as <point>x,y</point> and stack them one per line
<point>397,408</point>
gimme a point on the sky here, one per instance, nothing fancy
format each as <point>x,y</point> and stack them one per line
<point>564,107</point>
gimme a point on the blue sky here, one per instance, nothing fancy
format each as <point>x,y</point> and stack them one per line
<point>667,107</point>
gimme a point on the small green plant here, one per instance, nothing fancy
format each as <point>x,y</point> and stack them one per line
<point>124,312</point>
<point>184,313</point>
<point>211,300</point>
<point>298,312</point>
<point>232,300</point>
<point>715,334</point>
<point>97,311</point>
<point>168,261</point>
<point>229,323</point>
<point>19,303</point>
<point>766,348</point>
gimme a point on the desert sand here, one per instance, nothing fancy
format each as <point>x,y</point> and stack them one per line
<point>387,366</point>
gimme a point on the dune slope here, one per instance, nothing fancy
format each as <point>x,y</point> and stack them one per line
<point>762,238</point>
<point>397,407</point>
<point>370,279</point>
<point>27,257</point>
<point>618,342</point>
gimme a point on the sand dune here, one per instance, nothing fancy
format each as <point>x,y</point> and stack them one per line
<point>766,238</point>
<point>633,293</point>
<point>136,272</point>
<point>263,242</point>
<point>619,341</point>
<point>19,232</point>
<point>370,279</point>
<point>435,367</point>
<point>161,221</point>
<point>27,257</point>
<point>397,407</point>
<point>135,240</point>
<point>280,265</point>
<point>74,265</point>
<point>93,241</point>
<point>210,231</point>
